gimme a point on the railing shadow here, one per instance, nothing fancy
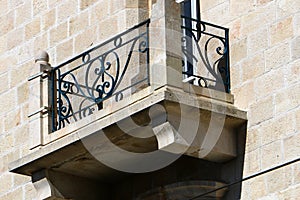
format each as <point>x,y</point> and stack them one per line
<point>205,48</point>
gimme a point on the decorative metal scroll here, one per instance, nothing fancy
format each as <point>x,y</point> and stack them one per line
<point>86,83</point>
<point>205,48</point>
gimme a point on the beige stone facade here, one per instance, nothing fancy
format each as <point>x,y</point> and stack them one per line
<point>265,79</point>
<point>264,68</point>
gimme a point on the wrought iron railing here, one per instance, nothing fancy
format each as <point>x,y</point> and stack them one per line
<point>84,84</point>
<point>205,48</point>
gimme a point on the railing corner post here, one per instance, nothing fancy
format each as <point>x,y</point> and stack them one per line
<point>47,95</point>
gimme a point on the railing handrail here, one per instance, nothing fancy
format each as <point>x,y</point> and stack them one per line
<point>206,23</point>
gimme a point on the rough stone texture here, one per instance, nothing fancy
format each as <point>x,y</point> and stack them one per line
<point>265,74</point>
<point>265,47</point>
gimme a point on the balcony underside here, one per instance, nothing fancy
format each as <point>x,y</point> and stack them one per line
<point>163,121</point>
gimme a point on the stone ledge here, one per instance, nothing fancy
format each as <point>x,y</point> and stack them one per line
<point>70,148</point>
<point>210,93</point>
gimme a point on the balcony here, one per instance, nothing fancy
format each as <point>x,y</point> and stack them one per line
<point>125,110</point>
<point>92,80</point>
<point>206,54</point>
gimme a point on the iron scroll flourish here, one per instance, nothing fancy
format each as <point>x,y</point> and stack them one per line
<point>205,46</point>
<point>86,81</point>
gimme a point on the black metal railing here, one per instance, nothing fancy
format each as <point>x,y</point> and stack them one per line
<point>82,85</point>
<point>205,48</point>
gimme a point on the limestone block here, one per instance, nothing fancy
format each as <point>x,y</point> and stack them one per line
<point>287,99</point>
<point>33,28</point>
<point>263,15</point>
<point>7,101</point>
<point>20,133</point>
<point>133,16</point>
<point>29,192</point>
<point>39,6</point>
<point>281,31</point>
<point>3,164</point>
<point>296,24</point>
<point>66,10</point>
<point>235,76</point>
<point>12,119</point>
<point>169,139</point>
<point>278,128</point>
<point>257,187</point>
<point>6,61</point>
<point>3,44</point>
<point>6,182</point>
<point>263,2</point>
<point>253,139</point>
<point>261,111</point>
<point>41,42</point>
<point>100,12</point>
<point>86,3</point>
<point>48,19</point>
<point>269,83</point>
<point>23,93</point>
<point>297,173</point>
<point>5,83</point>
<point>223,10</point>
<point>298,119</point>
<point>287,7</point>
<point>295,48</point>
<point>107,28</point>
<point>279,179</point>
<point>158,10</point>
<point>241,7</point>
<point>116,6</point>
<point>79,23</point>
<point>64,51</point>
<point>7,143</point>
<point>208,4</point>
<point>7,23</point>
<point>174,68</point>
<point>292,147</point>
<point>238,51</point>
<point>252,162</point>
<point>258,42</point>
<point>23,13</point>
<point>136,4</point>
<point>14,194</point>
<point>244,95</point>
<point>293,72</point>
<point>18,35</point>
<point>271,155</point>
<point>19,180</point>
<point>252,67</point>
<point>85,40</point>
<point>291,193</point>
<point>58,33</point>
<point>43,188</point>
<point>4,5</point>
<point>235,31</point>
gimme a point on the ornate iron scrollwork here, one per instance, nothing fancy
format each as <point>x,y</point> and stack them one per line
<point>86,81</point>
<point>205,46</point>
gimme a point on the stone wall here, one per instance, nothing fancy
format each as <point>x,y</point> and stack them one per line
<point>62,28</point>
<point>265,74</point>
<point>265,71</point>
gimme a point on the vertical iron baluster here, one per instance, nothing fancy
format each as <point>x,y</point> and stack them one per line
<point>148,54</point>
<point>228,86</point>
